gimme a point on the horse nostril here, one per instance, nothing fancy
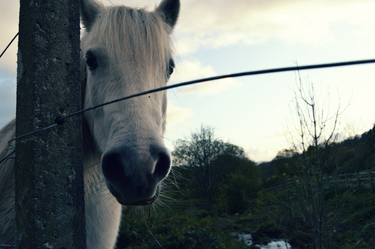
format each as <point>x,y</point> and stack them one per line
<point>112,166</point>
<point>162,166</point>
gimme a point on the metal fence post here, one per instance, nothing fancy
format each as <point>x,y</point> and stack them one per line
<point>49,174</point>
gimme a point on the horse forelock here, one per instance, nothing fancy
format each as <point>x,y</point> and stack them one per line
<point>134,38</point>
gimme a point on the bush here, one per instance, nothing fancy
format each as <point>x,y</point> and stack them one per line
<point>172,231</point>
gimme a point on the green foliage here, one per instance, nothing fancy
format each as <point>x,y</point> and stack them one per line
<point>357,223</point>
<point>215,191</point>
<point>237,184</point>
<point>202,148</point>
<point>180,230</point>
<point>214,172</point>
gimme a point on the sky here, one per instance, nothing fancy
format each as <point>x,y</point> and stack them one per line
<point>218,37</point>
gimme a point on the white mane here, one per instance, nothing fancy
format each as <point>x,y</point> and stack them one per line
<point>133,37</point>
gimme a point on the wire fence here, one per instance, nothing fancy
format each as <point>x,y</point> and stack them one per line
<point>9,44</point>
<point>8,157</point>
<point>60,120</point>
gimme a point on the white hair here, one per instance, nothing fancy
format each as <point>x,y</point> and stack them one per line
<point>134,36</point>
<point>138,45</point>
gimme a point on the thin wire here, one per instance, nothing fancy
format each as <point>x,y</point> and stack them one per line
<point>7,157</point>
<point>10,43</point>
<point>60,120</point>
<point>29,134</point>
<point>220,77</point>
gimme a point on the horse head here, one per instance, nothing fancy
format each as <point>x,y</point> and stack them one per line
<point>125,51</point>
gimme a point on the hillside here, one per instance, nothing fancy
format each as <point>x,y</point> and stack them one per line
<point>352,155</point>
<point>216,193</point>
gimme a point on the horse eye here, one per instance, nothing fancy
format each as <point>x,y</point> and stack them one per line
<point>91,60</point>
<point>171,67</point>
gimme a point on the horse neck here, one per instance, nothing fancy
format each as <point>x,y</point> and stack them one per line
<point>103,212</point>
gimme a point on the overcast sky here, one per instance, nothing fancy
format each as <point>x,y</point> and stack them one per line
<point>219,36</point>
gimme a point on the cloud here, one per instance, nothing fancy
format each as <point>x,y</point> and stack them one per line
<point>193,69</point>
<point>177,114</point>
<point>217,24</point>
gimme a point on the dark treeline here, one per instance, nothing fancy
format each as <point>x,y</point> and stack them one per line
<point>215,191</point>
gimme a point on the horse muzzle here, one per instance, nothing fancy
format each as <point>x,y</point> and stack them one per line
<point>133,176</point>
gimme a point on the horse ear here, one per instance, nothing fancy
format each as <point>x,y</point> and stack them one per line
<point>90,9</point>
<point>169,10</point>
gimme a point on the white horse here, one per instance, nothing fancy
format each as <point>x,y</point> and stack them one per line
<point>124,51</point>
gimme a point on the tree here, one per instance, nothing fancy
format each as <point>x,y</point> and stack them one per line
<point>317,131</point>
<point>236,183</point>
<point>197,153</point>
<point>201,148</point>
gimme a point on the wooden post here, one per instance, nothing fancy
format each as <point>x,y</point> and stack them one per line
<point>49,178</point>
